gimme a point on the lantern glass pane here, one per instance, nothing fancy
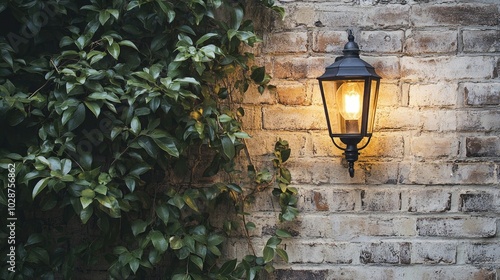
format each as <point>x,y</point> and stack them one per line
<point>373,105</point>
<point>344,105</point>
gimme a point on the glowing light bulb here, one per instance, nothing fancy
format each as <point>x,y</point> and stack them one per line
<point>352,110</point>
<point>349,101</point>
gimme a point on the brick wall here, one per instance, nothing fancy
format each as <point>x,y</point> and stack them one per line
<point>425,200</point>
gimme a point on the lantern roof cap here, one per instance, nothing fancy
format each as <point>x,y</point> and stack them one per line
<point>349,65</point>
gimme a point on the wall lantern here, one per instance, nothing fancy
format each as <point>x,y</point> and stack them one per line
<point>349,88</point>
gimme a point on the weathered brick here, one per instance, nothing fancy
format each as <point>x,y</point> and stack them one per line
<point>476,202</point>
<point>321,171</point>
<point>349,227</point>
<point>326,199</point>
<point>432,252</point>
<point>286,42</point>
<point>382,172</point>
<point>380,200</point>
<point>397,118</point>
<point>388,67</point>
<point>449,273</point>
<point>425,41</point>
<point>294,274</point>
<point>446,68</point>
<point>482,41</point>
<point>286,67</point>
<point>386,272</point>
<point>480,94</point>
<point>434,146</point>
<point>437,94</point>
<point>463,226</point>
<point>359,16</point>
<point>388,145</point>
<point>252,120</point>
<point>484,252</point>
<point>389,94</point>
<point>479,121</point>
<point>451,173</point>
<point>327,41</point>
<point>293,93</point>
<point>313,226</point>
<point>485,146</point>
<point>301,14</point>
<point>294,118</point>
<point>426,201</point>
<point>382,2</point>
<point>381,41</point>
<point>447,120</point>
<point>253,96</point>
<point>455,15</point>
<point>322,145</point>
<point>382,253</point>
<point>321,252</point>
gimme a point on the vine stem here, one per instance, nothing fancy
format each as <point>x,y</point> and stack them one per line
<point>246,229</point>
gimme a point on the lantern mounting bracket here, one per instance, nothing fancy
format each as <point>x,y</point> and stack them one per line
<point>351,150</point>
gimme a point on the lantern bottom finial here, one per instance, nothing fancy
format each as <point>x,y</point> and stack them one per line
<point>351,169</point>
<point>351,152</point>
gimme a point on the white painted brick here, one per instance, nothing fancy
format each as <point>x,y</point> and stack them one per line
<point>446,68</point>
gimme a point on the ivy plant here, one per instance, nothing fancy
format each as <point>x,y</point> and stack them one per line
<point>120,134</point>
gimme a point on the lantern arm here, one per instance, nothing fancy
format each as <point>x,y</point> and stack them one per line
<point>359,149</point>
<point>366,144</point>
<point>337,145</point>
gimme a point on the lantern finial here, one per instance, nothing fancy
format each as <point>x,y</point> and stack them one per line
<point>351,48</point>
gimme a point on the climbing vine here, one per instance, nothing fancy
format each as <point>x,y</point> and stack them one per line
<point>110,113</point>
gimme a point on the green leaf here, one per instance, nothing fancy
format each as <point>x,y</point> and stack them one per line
<point>128,44</point>
<point>215,239</point>
<point>81,42</point>
<point>228,147</point>
<point>85,201</point>
<point>93,107</point>
<point>228,267</point>
<point>40,185</point>
<point>135,125</point>
<point>78,117</point>
<point>7,57</point>
<point>134,265</point>
<point>114,50</point>
<point>159,241</point>
<point>163,212</point>
<point>283,233</point>
<point>225,118</point>
<point>283,254</point>
<point>168,145</point>
<point>104,16</point>
<point>273,242</point>
<point>237,17</point>
<point>148,146</point>
<point>258,74</point>
<point>34,239</point>
<point>176,243</point>
<point>205,37</point>
<point>138,226</point>
<point>190,202</point>
<point>104,96</point>
<point>197,261</point>
<point>86,213</point>
<point>250,226</point>
<point>268,254</point>
<point>234,187</point>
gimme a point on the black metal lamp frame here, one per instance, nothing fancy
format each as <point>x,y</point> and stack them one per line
<point>351,67</point>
